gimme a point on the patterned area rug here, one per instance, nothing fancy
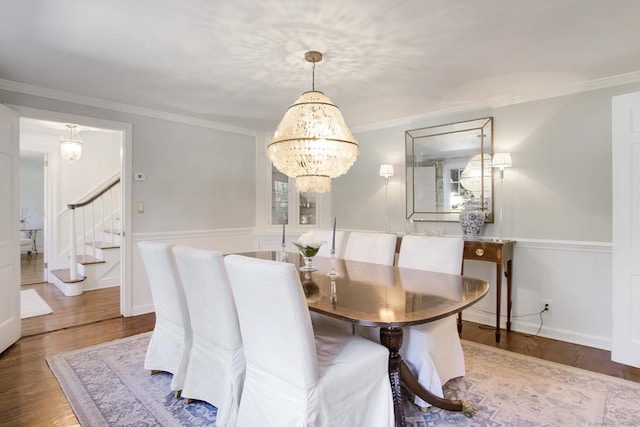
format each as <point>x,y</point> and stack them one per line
<point>107,385</point>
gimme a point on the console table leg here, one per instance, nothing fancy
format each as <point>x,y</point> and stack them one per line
<point>508,274</point>
<point>498,298</point>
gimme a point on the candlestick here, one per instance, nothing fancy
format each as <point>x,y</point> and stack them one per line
<point>333,273</point>
<point>333,241</point>
<point>334,295</point>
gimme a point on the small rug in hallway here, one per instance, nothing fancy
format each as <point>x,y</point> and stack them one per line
<point>107,385</point>
<point>32,304</point>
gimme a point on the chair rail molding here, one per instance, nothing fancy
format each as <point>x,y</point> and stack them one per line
<point>224,240</point>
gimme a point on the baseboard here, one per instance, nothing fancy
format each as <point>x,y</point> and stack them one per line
<point>141,309</point>
<point>533,327</point>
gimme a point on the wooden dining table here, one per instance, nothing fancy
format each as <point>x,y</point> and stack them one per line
<point>388,297</point>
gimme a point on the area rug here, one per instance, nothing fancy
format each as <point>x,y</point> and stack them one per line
<point>32,304</point>
<point>107,385</point>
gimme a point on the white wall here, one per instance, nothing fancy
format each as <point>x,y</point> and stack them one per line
<point>557,206</point>
<point>197,178</point>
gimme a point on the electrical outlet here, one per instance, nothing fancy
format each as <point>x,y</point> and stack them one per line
<point>546,304</point>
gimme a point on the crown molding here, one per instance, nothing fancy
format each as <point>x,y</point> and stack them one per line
<point>568,89</point>
<point>123,108</point>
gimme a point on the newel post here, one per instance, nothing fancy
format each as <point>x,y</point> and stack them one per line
<point>73,265</point>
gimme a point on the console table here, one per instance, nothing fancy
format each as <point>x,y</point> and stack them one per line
<point>500,253</point>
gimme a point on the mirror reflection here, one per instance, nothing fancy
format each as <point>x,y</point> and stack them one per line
<point>447,166</point>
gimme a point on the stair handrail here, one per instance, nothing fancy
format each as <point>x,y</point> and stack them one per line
<point>97,193</point>
<point>85,201</point>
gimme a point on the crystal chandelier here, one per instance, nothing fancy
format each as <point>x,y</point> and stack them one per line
<point>476,176</point>
<point>70,144</point>
<point>312,143</point>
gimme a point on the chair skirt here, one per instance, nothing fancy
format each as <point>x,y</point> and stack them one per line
<point>434,354</point>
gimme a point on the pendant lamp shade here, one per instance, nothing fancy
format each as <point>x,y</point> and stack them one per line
<point>70,144</point>
<point>312,143</point>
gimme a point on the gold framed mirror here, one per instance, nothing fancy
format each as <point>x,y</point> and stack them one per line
<point>447,165</point>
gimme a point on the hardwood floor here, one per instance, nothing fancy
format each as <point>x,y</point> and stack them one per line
<point>91,306</point>
<point>31,268</point>
<point>579,356</point>
<point>31,396</point>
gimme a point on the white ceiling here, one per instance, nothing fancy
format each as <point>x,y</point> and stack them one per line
<point>241,62</point>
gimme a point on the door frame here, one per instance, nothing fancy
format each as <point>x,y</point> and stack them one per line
<point>126,132</point>
<point>625,263</point>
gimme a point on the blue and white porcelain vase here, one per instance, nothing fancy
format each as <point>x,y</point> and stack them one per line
<point>471,220</point>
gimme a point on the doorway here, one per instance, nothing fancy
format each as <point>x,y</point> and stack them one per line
<point>32,210</point>
<point>39,142</point>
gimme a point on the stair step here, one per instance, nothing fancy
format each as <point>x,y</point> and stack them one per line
<point>64,275</point>
<point>103,245</point>
<point>88,259</point>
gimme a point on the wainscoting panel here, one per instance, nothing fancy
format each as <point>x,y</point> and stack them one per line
<point>225,241</point>
<point>574,276</point>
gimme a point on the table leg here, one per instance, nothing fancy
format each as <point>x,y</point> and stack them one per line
<point>498,298</point>
<point>399,373</point>
<point>391,337</point>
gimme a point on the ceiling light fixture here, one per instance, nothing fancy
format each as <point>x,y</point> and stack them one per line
<point>312,143</point>
<point>70,144</point>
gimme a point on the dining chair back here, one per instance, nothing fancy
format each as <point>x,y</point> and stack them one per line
<point>433,350</point>
<point>432,253</point>
<point>170,342</point>
<point>216,365</point>
<point>296,376</point>
<point>376,248</point>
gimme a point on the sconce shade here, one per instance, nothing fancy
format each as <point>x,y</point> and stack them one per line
<point>386,171</point>
<point>501,160</point>
<point>70,144</point>
<point>477,174</point>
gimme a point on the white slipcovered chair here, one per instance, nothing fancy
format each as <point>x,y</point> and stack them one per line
<point>216,365</point>
<point>376,248</point>
<point>171,338</point>
<point>294,378</point>
<point>26,245</point>
<point>327,236</point>
<point>432,350</point>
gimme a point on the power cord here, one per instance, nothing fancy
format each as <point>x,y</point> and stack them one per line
<point>537,313</point>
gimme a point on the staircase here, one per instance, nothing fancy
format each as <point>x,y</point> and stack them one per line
<point>98,263</point>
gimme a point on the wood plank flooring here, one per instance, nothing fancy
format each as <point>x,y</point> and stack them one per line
<point>31,268</point>
<point>91,306</point>
<point>31,396</point>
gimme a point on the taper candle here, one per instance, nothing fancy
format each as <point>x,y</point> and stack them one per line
<point>333,241</point>
<point>283,230</point>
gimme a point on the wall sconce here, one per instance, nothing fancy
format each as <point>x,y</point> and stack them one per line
<point>501,161</point>
<point>386,171</point>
